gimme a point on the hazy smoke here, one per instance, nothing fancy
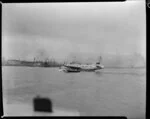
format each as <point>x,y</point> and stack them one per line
<point>41,55</point>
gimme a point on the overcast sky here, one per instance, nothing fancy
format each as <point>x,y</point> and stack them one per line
<point>64,30</point>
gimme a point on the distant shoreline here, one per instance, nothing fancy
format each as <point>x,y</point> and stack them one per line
<point>30,63</point>
<point>29,66</point>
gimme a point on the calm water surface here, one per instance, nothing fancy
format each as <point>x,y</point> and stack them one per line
<point>110,92</point>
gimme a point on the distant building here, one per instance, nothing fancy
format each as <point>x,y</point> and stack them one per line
<point>13,62</point>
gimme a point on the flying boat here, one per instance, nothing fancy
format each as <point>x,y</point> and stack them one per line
<point>76,67</point>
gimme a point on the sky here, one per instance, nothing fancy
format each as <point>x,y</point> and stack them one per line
<point>66,30</point>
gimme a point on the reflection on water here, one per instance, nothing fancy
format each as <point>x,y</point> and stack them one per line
<point>109,92</point>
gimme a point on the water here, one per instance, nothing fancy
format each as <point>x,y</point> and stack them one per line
<point>110,92</point>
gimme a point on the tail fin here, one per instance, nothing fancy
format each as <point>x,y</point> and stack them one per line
<point>99,60</point>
